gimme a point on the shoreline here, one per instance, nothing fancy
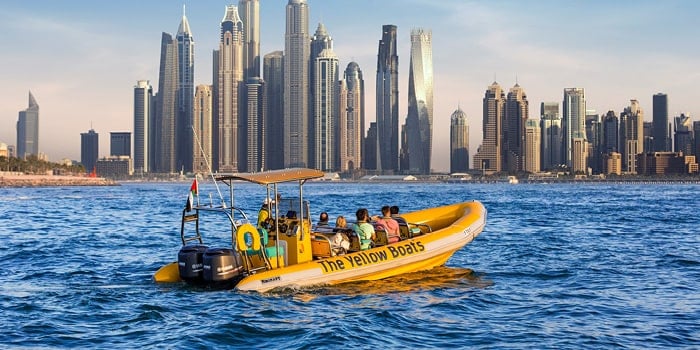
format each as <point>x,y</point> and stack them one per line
<point>22,180</point>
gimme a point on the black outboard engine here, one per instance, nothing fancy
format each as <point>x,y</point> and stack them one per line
<point>222,266</point>
<point>190,262</point>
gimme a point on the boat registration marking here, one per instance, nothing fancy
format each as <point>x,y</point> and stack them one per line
<point>271,279</point>
<point>368,258</point>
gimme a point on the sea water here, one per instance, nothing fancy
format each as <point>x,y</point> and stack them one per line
<point>557,266</point>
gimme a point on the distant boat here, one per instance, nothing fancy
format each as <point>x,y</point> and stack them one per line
<point>513,180</point>
<point>288,252</point>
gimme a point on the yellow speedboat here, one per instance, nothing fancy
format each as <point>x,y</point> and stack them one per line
<point>288,252</point>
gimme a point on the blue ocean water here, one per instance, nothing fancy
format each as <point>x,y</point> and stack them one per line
<point>557,266</point>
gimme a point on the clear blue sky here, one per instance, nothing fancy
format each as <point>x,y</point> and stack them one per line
<point>81,59</point>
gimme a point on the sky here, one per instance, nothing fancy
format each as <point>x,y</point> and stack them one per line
<point>81,59</point>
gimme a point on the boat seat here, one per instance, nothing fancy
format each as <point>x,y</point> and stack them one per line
<point>321,246</point>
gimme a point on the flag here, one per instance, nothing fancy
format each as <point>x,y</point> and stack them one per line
<point>194,190</point>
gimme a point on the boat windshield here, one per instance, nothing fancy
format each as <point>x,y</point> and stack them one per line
<point>289,205</point>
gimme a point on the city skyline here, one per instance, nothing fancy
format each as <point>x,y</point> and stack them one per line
<point>473,44</point>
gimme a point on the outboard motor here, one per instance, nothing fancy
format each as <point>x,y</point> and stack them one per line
<point>222,265</point>
<point>190,261</point>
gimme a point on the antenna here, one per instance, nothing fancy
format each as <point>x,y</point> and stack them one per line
<point>183,10</point>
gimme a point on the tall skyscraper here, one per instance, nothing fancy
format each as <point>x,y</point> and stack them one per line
<point>143,119</point>
<point>488,156</point>
<point>387,102</point>
<point>274,112</point>
<point>320,41</point>
<point>611,133</point>
<point>165,121</point>
<point>683,134</point>
<point>254,127</point>
<point>325,111</point>
<point>296,85</point>
<point>516,114</point>
<point>249,11</point>
<point>203,130</point>
<point>185,95</point>
<point>594,136</point>
<point>120,144</point>
<point>660,132</point>
<point>89,149</point>
<point>28,130</point>
<point>230,88</point>
<point>419,121</point>
<point>531,146</point>
<point>459,142</point>
<point>550,128</point>
<point>574,116</point>
<point>214,161</point>
<point>351,121</point>
<point>631,135</point>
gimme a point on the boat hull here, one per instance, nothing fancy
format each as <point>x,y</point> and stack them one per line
<point>456,224</point>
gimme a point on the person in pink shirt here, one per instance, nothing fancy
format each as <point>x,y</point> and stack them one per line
<point>390,225</point>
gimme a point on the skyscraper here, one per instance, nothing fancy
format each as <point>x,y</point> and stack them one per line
<point>611,133</point>
<point>660,133</point>
<point>531,146</point>
<point>631,135</point>
<point>459,142</point>
<point>165,121</point>
<point>254,127</point>
<point>274,112</point>
<point>143,119</point>
<point>488,156</point>
<point>574,116</point>
<point>203,130</point>
<point>320,41</point>
<point>550,128</point>
<point>28,130</point>
<point>120,144</point>
<point>325,111</point>
<point>296,85</point>
<point>249,11</point>
<point>89,149</point>
<point>594,136</point>
<point>230,88</point>
<point>419,122</point>
<point>516,114</point>
<point>683,134</point>
<point>185,95</point>
<point>351,121</point>
<point>387,102</point>
<point>371,153</point>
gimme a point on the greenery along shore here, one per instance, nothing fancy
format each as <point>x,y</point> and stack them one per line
<point>33,172</point>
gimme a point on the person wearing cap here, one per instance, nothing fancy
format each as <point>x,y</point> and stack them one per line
<point>264,212</point>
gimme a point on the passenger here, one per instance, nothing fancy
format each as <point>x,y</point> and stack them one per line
<point>391,226</point>
<point>340,222</point>
<point>363,229</point>
<point>394,211</point>
<point>395,215</point>
<point>340,243</point>
<point>323,219</point>
<point>264,213</point>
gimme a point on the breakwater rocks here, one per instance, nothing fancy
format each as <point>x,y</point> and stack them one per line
<point>21,180</point>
